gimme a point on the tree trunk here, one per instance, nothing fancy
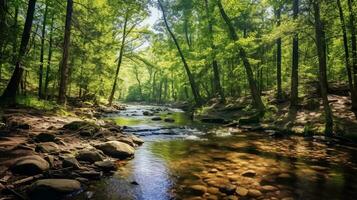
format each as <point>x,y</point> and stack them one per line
<point>153,86</point>
<point>48,69</point>
<point>194,87</point>
<point>347,54</point>
<point>14,42</point>
<point>278,58</point>
<point>294,98</point>
<point>64,64</point>
<point>217,88</point>
<point>354,49</point>
<point>321,51</point>
<point>3,29</point>
<point>257,101</point>
<point>40,74</point>
<point>121,53</point>
<point>9,94</point>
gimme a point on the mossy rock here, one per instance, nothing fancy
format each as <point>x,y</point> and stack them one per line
<point>84,128</point>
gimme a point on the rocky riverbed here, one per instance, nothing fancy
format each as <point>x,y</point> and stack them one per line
<point>46,156</point>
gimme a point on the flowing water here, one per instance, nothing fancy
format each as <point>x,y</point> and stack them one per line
<point>190,160</point>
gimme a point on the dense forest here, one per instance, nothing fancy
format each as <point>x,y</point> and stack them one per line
<point>197,50</point>
<point>290,65</point>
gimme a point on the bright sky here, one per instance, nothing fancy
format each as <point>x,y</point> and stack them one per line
<point>154,16</point>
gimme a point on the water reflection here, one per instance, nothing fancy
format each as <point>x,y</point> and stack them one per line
<point>241,166</point>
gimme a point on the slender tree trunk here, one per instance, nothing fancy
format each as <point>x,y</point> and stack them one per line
<point>9,94</point>
<point>3,30</point>
<point>257,101</point>
<point>153,86</point>
<point>347,54</point>
<point>217,88</point>
<point>48,69</point>
<point>354,49</point>
<point>40,77</point>
<point>64,64</point>
<point>121,53</point>
<point>193,84</point>
<point>321,51</point>
<point>278,58</point>
<point>14,42</point>
<point>294,96</point>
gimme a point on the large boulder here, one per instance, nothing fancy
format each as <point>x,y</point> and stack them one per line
<point>84,128</point>
<point>30,165</point>
<point>90,156</point>
<point>54,189</point>
<point>116,149</point>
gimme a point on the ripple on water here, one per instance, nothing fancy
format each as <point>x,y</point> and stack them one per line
<point>242,166</point>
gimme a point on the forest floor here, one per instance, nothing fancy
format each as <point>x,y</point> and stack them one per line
<point>37,146</point>
<point>307,121</point>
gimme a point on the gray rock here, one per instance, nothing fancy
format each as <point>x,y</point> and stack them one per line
<point>89,156</point>
<point>50,159</point>
<point>30,165</point>
<point>47,147</point>
<point>70,162</point>
<point>254,193</point>
<point>126,140</point>
<point>116,149</point>
<point>137,140</point>
<point>54,189</point>
<point>106,165</point>
<point>91,174</point>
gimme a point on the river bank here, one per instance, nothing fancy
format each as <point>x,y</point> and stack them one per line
<point>45,155</point>
<point>307,121</point>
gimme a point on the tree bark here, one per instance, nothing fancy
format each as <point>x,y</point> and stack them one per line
<point>193,84</point>
<point>217,88</point>
<point>257,101</point>
<point>294,96</point>
<point>347,54</point>
<point>14,42</point>
<point>40,74</point>
<point>278,57</point>
<point>121,53</point>
<point>64,64</point>
<point>321,51</point>
<point>9,94</point>
<point>353,48</point>
<point>48,69</point>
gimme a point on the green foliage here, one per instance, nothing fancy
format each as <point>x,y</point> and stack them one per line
<point>34,102</point>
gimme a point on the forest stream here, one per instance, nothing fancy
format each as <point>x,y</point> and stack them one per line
<point>185,159</point>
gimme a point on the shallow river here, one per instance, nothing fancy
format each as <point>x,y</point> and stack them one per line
<point>190,160</point>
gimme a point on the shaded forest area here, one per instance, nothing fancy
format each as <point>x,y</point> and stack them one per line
<point>101,51</point>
